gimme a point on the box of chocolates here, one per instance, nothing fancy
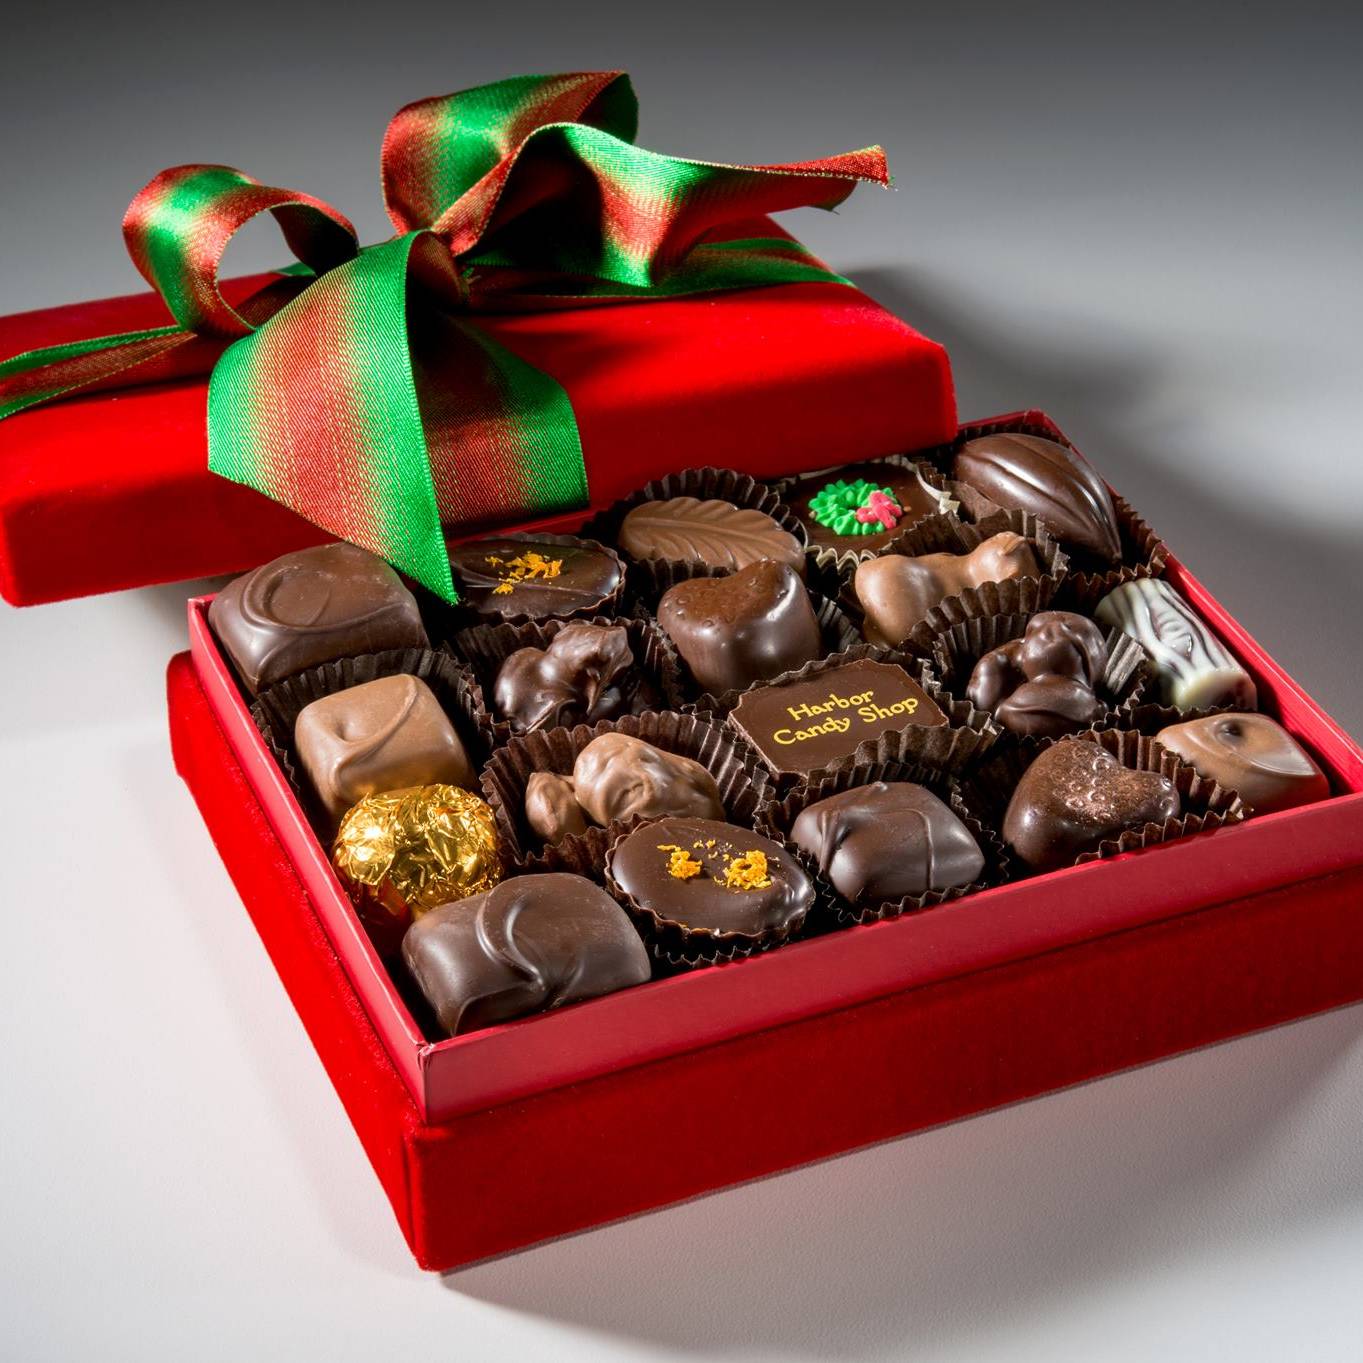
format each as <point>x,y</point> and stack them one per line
<point>656,746</point>
<point>733,850</point>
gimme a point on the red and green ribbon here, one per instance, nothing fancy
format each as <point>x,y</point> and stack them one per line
<point>357,388</point>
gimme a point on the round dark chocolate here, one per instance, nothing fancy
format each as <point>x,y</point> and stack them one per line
<point>1052,481</point>
<point>584,674</point>
<point>530,944</point>
<point>1076,795</point>
<point>839,508</point>
<point>712,877</point>
<point>535,578</point>
<point>747,627</point>
<point>886,841</point>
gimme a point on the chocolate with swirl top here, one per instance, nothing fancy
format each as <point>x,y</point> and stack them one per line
<point>310,607</point>
<point>1194,669</point>
<point>529,944</point>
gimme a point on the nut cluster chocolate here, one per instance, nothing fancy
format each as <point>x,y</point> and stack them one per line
<point>643,853</point>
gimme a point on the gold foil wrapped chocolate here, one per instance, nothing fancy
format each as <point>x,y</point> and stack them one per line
<point>402,853</point>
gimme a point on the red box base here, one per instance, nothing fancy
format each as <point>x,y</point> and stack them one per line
<point>563,1160</point>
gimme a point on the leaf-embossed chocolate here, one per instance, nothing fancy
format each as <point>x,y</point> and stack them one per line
<point>1076,795</point>
<point>1047,479</point>
<point>712,532</point>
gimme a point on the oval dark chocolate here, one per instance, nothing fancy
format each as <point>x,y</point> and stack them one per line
<point>712,877</point>
<point>1049,480</point>
<point>534,578</point>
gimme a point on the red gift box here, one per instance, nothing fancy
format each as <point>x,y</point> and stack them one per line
<point>502,1138</point>
<point>113,490</point>
<point>495,1140</point>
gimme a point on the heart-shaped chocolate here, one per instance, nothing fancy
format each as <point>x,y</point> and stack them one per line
<point>896,591</point>
<point>747,627</point>
<point>1075,796</point>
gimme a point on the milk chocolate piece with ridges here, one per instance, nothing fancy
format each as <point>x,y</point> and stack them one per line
<point>584,674</point>
<point>1251,755</point>
<point>711,532</point>
<point>530,944</point>
<point>1043,683</point>
<point>887,841</point>
<point>712,877</point>
<point>836,517</point>
<point>1027,473</point>
<point>897,591</point>
<point>383,735</point>
<point>617,776</point>
<point>1077,795</point>
<point>801,726</point>
<point>551,807</point>
<point>538,579</point>
<point>311,607</point>
<point>747,627</point>
<point>1193,667</point>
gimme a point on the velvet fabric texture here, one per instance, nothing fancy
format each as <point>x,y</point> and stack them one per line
<point>112,490</point>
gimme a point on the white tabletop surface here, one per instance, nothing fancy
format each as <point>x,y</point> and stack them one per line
<point>1150,228</point>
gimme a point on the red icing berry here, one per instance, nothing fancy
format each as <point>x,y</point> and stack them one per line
<point>879,507</point>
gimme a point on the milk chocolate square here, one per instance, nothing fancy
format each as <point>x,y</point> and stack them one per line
<point>311,607</point>
<point>384,735</point>
<point>801,726</point>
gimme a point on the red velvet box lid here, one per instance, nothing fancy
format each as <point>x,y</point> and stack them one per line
<point>112,490</point>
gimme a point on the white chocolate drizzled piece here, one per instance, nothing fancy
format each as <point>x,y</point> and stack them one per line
<point>1192,665</point>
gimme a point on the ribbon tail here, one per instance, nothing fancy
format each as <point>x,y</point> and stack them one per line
<point>371,410</point>
<point>131,357</point>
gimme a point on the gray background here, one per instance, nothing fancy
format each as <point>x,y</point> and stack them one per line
<point>1145,222</point>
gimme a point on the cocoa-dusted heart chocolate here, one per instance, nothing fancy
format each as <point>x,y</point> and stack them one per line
<point>1043,682</point>
<point>745,628</point>
<point>896,591</point>
<point>1077,795</point>
<point>1027,473</point>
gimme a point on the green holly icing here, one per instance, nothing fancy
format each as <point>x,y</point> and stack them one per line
<point>835,506</point>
